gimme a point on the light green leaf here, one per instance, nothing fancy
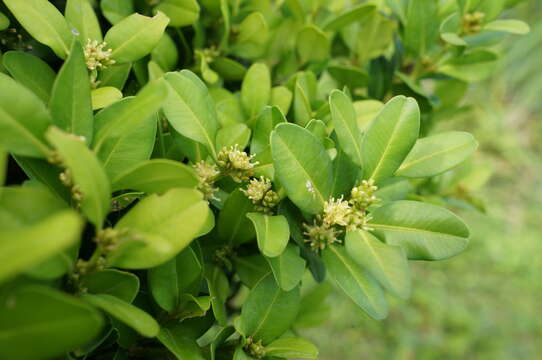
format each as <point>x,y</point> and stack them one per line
<point>127,313</point>
<point>81,17</point>
<point>234,228</point>
<point>120,284</point>
<point>156,176</point>
<point>180,12</point>
<point>190,108</point>
<point>122,128</point>
<point>116,10</point>
<point>374,37</point>
<point>234,134</point>
<point>30,71</point>
<point>422,25</point>
<point>86,172</point>
<point>256,89</point>
<point>349,76</point>
<point>471,67</point>
<point>162,226</point>
<point>312,44</point>
<point>281,97</point>
<point>354,282</point>
<point>349,16</point>
<point>345,174</point>
<point>29,245</point>
<point>135,36</point>
<point>115,75</point>
<point>272,233</point>
<point>23,120</point>
<point>292,348</point>
<point>268,312</point>
<point>508,25</point>
<point>165,53</point>
<point>228,69</point>
<point>104,96</point>
<point>302,166</point>
<point>44,22</point>
<point>71,104</point>
<point>252,36</point>
<point>366,111</point>
<point>4,23</point>
<point>386,263</point>
<point>424,231</point>
<point>288,268</point>
<point>268,119</point>
<point>436,154</point>
<point>346,126</point>
<point>302,100</point>
<point>390,137</point>
<point>178,276</point>
<point>219,289</point>
<point>34,316</point>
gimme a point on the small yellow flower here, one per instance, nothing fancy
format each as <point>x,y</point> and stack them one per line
<point>362,196</point>
<point>319,236</point>
<point>262,196</point>
<point>336,212</point>
<point>207,174</point>
<point>236,163</point>
<point>96,56</point>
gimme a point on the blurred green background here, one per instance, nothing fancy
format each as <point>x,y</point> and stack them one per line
<point>485,303</point>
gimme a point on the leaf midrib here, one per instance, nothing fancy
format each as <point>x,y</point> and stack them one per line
<point>429,156</point>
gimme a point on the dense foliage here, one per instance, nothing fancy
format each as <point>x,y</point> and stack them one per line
<point>179,213</point>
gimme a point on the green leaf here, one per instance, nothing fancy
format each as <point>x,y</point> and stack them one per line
<point>234,228</point>
<point>422,24</point>
<point>71,104</point>
<point>302,166</point>
<point>228,69</point>
<point>470,67</point>
<point>234,134</point>
<point>127,313</point>
<point>86,172</point>
<point>135,36</point>
<point>268,119</point>
<point>23,120</point>
<point>115,75</point>
<point>312,44</point>
<point>346,126</point>
<point>349,16</point>
<point>292,348</point>
<point>288,268</point>
<point>180,342</point>
<point>436,154</point>
<point>251,269</point>
<point>281,97</point>
<point>29,245</point>
<point>390,137</point>
<point>252,36</point>
<point>219,339</point>
<point>508,25</point>
<point>374,37</point>
<point>302,100</point>
<point>104,96</point>
<point>40,323</point>
<point>349,76</point>
<point>354,282</point>
<point>272,233</point>
<point>4,23</point>
<point>31,72</point>
<point>424,231</point>
<point>81,17</point>
<point>165,53</point>
<point>386,263</point>
<point>3,167</point>
<point>178,276</point>
<point>120,284</point>
<point>116,10</point>
<point>156,176</point>
<point>190,109</point>
<point>345,174</point>
<point>180,12</point>
<point>125,131</point>
<point>44,22</point>
<point>161,226</point>
<point>256,89</point>
<point>219,289</point>
<point>314,310</point>
<point>268,311</point>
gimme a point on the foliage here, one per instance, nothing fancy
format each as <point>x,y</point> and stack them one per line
<point>178,213</point>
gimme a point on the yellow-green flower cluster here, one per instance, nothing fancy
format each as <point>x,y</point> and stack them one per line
<point>363,195</point>
<point>319,236</point>
<point>255,349</point>
<point>472,22</point>
<point>236,163</point>
<point>260,192</point>
<point>97,56</point>
<point>207,175</point>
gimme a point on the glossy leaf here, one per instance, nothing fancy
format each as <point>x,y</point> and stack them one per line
<point>116,10</point>
<point>104,96</point>
<point>31,315</point>
<point>349,16</point>
<point>233,225</point>
<point>288,268</point>
<point>302,166</point>
<point>354,282</point>
<point>180,12</point>
<point>312,44</point>
<point>508,25</point>
<point>268,311</point>
<point>424,231</point>
<point>30,71</point>
<point>81,17</point>
<point>135,36</point>
<point>120,284</point>
<point>44,22</point>
<point>156,176</point>
<point>386,263</point>
<point>163,226</point>
<point>256,89</point>
<point>129,314</point>
<point>390,137</point>
<point>438,153</point>
<point>71,104</point>
<point>234,134</point>
<point>268,119</point>
<point>180,342</point>
<point>346,127</point>
<point>86,172</point>
<point>165,53</point>
<point>470,67</point>
<point>272,233</point>
<point>190,109</point>
<point>281,97</point>
<point>23,120</point>
<point>421,27</point>
<point>219,290</point>
<point>292,348</point>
